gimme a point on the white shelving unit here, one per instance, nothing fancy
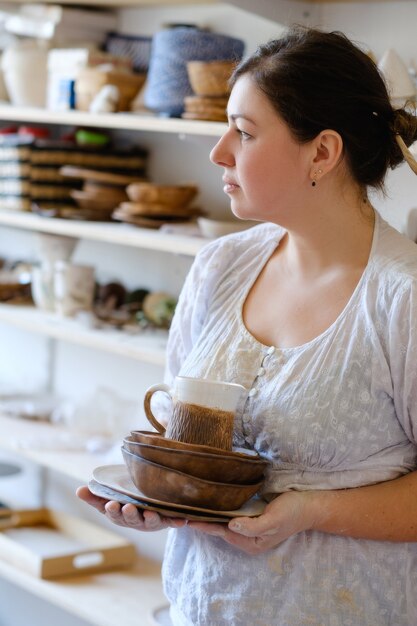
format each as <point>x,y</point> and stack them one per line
<point>148,346</point>
<point>122,234</point>
<point>127,596</point>
<point>105,599</point>
<point>144,121</point>
<point>124,597</point>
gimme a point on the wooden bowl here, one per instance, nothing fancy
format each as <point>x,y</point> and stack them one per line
<point>206,465</point>
<point>210,78</point>
<point>93,203</point>
<point>153,438</point>
<point>100,191</point>
<point>172,195</point>
<point>169,485</point>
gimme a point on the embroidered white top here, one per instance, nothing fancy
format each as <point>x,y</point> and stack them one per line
<point>339,411</point>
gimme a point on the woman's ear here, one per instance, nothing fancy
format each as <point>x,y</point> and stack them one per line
<point>327,149</point>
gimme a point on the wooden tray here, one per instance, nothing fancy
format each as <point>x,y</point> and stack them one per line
<point>50,544</point>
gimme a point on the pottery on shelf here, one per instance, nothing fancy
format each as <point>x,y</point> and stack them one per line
<point>172,48</point>
<point>400,85</point>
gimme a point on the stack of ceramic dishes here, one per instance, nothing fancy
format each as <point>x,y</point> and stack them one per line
<point>152,205</point>
<point>189,474</point>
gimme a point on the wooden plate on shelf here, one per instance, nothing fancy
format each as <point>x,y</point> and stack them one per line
<point>155,209</point>
<point>209,117</point>
<point>144,222</point>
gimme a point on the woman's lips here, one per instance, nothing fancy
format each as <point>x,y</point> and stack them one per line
<point>229,187</point>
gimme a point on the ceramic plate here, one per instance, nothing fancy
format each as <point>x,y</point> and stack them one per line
<point>111,494</point>
<point>116,477</point>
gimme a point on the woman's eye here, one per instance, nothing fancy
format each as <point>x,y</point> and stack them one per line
<point>244,136</point>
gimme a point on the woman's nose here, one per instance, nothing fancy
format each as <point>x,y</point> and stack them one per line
<point>221,155</point>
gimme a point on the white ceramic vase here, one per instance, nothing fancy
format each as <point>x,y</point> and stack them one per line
<point>400,85</point>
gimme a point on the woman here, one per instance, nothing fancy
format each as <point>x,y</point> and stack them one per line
<point>314,311</point>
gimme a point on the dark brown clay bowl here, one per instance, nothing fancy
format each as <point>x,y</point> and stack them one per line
<point>206,465</point>
<point>169,485</point>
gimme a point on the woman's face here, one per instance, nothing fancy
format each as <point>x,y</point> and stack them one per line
<point>266,172</point>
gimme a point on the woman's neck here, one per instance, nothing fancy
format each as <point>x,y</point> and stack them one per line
<point>330,235</point>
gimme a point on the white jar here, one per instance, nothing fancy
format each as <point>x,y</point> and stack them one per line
<point>24,66</point>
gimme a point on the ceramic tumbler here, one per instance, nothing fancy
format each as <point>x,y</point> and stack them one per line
<point>74,287</point>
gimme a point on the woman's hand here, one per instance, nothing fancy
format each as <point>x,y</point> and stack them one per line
<point>128,515</point>
<point>287,515</point>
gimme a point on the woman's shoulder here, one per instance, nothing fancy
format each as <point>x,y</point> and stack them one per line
<point>396,255</point>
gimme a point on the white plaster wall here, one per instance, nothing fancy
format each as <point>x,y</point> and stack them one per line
<point>379,26</point>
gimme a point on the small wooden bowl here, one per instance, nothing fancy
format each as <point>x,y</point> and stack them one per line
<point>210,78</point>
<point>206,465</point>
<point>92,203</point>
<point>169,485</point>
<point>172,195</point>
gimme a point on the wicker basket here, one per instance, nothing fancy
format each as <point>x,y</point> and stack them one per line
<point>210,78</point>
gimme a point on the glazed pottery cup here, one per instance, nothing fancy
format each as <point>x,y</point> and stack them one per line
<point>203,411</point>
<point>74,287</point>
<point>42,287</point>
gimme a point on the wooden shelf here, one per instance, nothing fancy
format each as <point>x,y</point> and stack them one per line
<point>148,346</point>
<point>116,121</point>
<point>110,232</point>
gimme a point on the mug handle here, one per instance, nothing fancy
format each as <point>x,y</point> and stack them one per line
<point>147,405</point>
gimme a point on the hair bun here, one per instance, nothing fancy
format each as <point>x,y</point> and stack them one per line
<point>404,124</point>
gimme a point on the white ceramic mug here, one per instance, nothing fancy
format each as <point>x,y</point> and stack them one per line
<point>203,411</point>
<point>74,287</point>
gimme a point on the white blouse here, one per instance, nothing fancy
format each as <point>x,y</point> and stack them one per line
<point>339,411</point>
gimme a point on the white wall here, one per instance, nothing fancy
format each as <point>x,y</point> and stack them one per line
<point>379,26</point>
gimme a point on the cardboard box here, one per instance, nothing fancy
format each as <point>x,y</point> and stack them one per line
<point>50,544</point>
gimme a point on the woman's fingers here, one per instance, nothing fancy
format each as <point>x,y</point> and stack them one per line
<point>128,515</point>
<point>85,494</point>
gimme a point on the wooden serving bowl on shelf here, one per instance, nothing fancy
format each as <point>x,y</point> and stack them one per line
<point>172,195</point>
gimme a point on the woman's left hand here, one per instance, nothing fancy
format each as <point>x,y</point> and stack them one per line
<point>286,515</point>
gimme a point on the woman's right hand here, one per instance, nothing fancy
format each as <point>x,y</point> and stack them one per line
<point>128,515</point>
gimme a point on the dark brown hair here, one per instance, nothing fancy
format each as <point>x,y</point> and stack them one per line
<point>316,81</point>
